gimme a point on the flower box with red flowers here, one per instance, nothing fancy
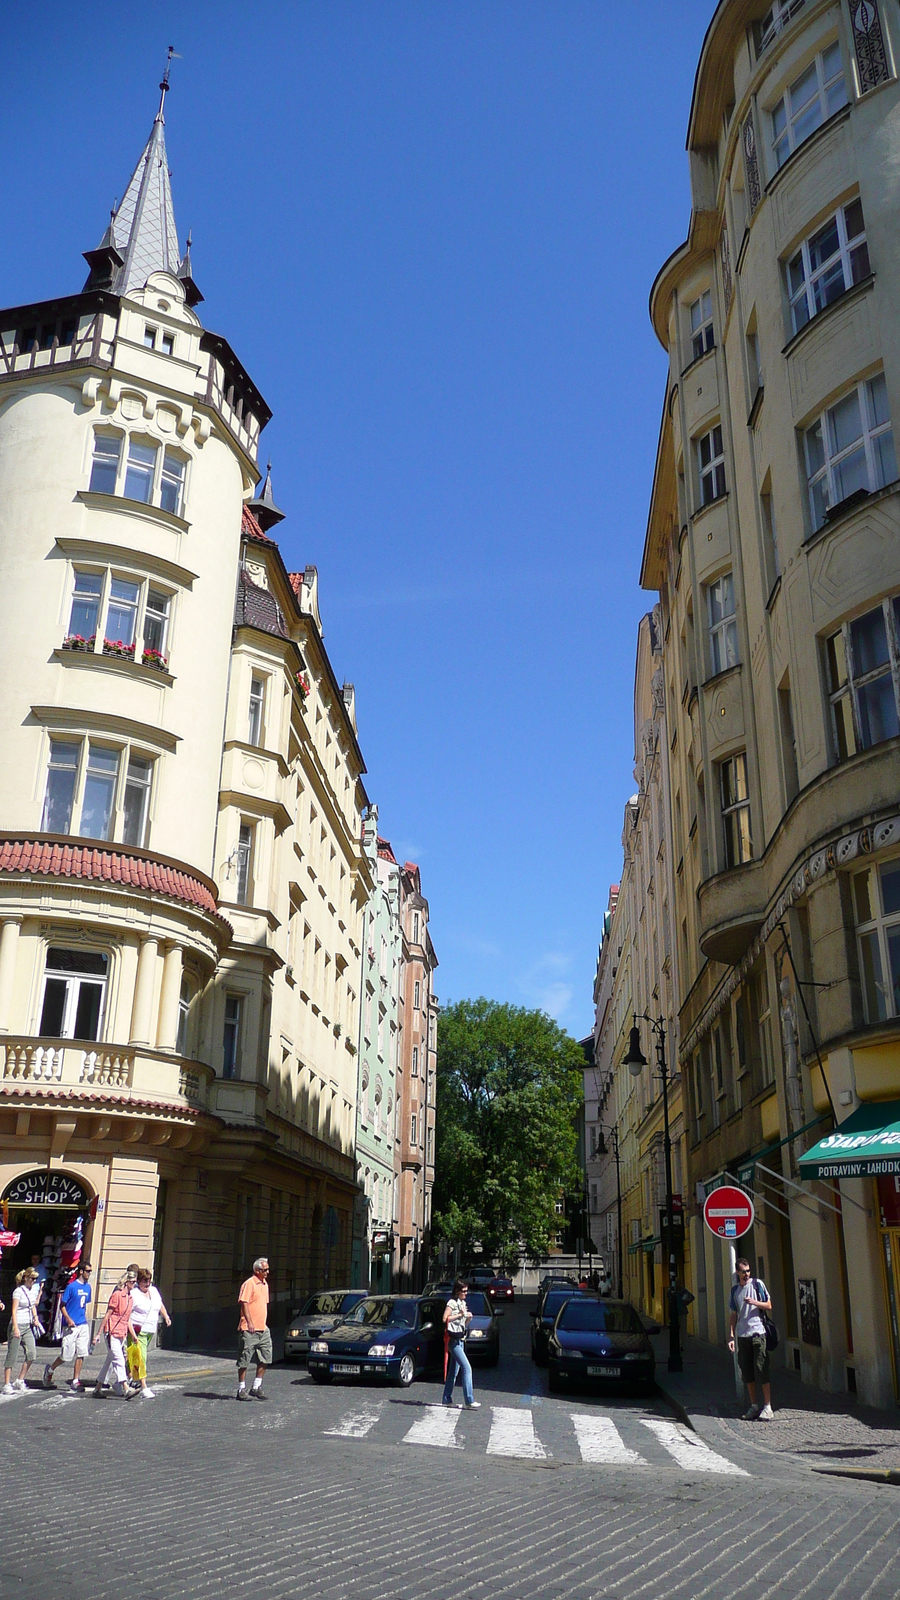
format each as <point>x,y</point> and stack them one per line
<point>155,658</point>
<point>77,641</point>
<point>303,685</point>
<point>118,647</point>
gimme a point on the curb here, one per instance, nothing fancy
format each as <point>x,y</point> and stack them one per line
<point>867,1474</point>
<point>677,1407</point>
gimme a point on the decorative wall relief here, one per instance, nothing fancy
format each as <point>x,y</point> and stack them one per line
<point>868,42</point>
<point>751,163</point>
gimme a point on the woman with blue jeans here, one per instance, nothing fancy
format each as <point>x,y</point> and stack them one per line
<point>456,1319</point>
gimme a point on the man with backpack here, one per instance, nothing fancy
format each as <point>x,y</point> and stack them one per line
<point>749,1305</point>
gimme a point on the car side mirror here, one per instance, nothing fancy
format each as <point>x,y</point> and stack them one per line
<point>499,1311</point>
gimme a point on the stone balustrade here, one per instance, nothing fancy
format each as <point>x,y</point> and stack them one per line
<point>137,1072</point>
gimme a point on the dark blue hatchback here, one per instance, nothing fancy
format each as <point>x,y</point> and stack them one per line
<point>600,1342</point>
<point>391,1338</point>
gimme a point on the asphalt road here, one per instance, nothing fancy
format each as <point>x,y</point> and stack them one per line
<point>351,1493</point>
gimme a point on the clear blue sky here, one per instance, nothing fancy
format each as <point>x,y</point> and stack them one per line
<point>429,229</point>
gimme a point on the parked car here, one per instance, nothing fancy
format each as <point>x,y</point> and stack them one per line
<point>501,1291</point>
<point>543,1319</point>
<point>599,1342</point>
<point>384,1338</point>
<point>479,1275</point>
<point>317,1314</point>
<point>444,1287</point>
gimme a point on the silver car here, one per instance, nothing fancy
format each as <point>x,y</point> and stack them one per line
<point>322,1311</point>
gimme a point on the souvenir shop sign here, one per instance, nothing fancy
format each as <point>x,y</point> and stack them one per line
<point>45,1188</point>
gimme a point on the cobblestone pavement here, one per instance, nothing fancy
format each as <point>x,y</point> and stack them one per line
<point>350,1493</point>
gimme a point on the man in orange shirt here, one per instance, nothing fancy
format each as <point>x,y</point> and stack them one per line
<point>254,1338</point>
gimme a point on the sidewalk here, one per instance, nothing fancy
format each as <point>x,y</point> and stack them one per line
<point>163,1366</point>
<point>829,1432</point>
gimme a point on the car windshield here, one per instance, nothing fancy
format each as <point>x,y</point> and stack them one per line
<point>503,1283</point>
<point>478,1304</point>
<point>555,1299</point>
<point>326,1305</point>
<point>588,1316</point>
<point>378,1313</point>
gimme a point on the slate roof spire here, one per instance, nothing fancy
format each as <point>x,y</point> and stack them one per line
<point>263,505</point>
<point>142,237</point>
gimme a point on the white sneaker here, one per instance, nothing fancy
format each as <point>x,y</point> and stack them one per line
<point>7,1389</point>
<point>751,1414</point>
<point>47,1379</point>
<point>148,1394</point>
<point>19,1384</point>
<point>75,1383</point>
<point>473,1405</point>
<point>767,1414</point>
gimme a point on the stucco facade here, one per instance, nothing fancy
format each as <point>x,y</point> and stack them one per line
<point>416,1084</point>
<point>182,885</point>
<point>773,544</point>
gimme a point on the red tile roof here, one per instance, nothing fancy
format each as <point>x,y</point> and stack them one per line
<point>99,863</point>
<point>385,851</point>
<point>251,527</point>
<point>295,579</point>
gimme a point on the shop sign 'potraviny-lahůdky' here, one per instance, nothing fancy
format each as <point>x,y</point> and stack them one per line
<point>866,1145</point>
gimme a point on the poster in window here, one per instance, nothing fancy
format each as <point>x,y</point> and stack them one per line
<point>810,1332</point>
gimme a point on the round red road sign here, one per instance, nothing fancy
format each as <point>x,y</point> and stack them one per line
<point>728,1212</point>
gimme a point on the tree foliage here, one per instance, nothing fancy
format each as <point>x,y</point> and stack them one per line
<point>509,1083</point>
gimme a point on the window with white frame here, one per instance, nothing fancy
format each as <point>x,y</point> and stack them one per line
<point>777,17</point>
<point>735,803</point>
<point>415,1061</point>
<point>74,992</point>
<point>257,708</point>
<point>723,640</point>
<point>416,928</point>
<point>850,448</point>
<point>417,994</point>
<point>138,469</point>
<point>828,263</point>
<point>97,790</point>
<point>711,465</point>
<point>231,1036</point>
<point>118,615</point>
<point>413,1128</point>
<point>876,895</point>
<point>702,335</point>
<point>863,664</point>
<point>245,863</point>
<point>184,1011</point>
<point>808,102</point>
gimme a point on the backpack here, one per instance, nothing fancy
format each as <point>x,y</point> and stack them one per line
<point>771,1331</point>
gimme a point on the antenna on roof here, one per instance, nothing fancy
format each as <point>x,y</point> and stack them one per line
<point>164,84</point>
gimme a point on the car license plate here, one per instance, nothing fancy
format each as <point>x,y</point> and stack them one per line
<point>604,1372</point>
<point>343,1366</point>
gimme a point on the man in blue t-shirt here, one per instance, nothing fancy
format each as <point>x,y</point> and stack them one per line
<point>76,1343</point>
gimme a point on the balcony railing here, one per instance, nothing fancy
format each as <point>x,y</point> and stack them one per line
<point>37,1061</point>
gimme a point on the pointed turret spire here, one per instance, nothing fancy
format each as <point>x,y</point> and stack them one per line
<point>263,505</point>
<point>142,233</point>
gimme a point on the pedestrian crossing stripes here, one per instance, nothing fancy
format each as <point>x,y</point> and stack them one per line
<point>594,1438</point>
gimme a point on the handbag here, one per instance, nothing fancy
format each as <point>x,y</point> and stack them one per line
<point>769,1328</point>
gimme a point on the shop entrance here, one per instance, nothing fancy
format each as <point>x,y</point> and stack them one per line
<point>51,1214</point>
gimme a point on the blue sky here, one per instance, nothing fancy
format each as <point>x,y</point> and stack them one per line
<point>429,229</point>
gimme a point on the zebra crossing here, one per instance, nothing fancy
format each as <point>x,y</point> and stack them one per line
<point>515,1432</point>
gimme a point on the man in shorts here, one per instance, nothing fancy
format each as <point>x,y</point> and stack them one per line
<point>749,1298</point>
<point>76,1332</point>
<point>254,1338</point>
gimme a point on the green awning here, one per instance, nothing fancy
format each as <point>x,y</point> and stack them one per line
<point>867,1145</point>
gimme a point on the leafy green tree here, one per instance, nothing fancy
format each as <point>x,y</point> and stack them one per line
<point>509,1083</point>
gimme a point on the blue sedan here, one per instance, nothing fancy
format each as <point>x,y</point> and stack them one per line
<point>599,1342</point>
<point>387,1338</point>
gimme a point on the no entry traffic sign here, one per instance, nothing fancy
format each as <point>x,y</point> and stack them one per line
<point>728,1212</point>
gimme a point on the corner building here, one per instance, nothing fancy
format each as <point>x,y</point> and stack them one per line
<point>773,543</point>
<point>181,882</point>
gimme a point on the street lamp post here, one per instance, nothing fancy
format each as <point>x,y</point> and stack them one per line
<point>613,1128</point>
<point>635,1061</point>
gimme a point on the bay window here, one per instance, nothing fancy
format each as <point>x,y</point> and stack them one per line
<point>723,641</point>
<point>863,666</point>
<point>828,263</point>
<point>97,790</point>
<point>777,17</point>
<point>245,863</point>
<point>735,806</point>
<point>149,474</point>
<point>257,708</point>
<point>876,898</point>
<point>850,448</point>
<point>231,1037</point>
<point>74,992</point>
<point>808,102</point>
<point>702,335</point>
<point>118,615</point>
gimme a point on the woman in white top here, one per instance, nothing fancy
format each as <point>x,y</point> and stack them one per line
<point>23,1324</point>
<point>147,1308</point>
